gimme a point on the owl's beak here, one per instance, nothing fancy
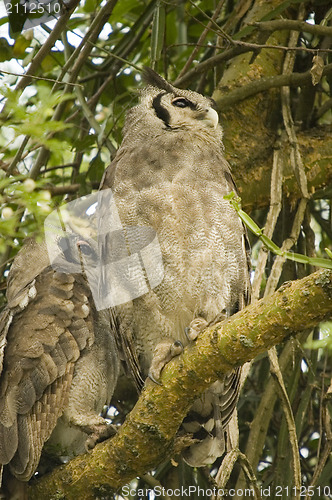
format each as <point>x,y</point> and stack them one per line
<point>211,117</point>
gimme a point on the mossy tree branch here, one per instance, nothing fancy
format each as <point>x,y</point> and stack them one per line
<point>263,84</point>
<point>147,436</point>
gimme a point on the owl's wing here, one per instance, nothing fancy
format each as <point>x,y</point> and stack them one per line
<point>108,177</point>
<point>129,356</point>
<point>245,290</point>
<point>125,342</point>
<point>44,329</point>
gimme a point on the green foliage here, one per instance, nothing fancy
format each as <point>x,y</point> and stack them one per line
<point>24,206</point>
<point>325,340</point>
<point>235,201</point>
<point>24,203</point>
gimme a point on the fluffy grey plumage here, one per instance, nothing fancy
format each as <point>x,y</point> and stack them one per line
<point>59,362</point>
<point>170,173</point>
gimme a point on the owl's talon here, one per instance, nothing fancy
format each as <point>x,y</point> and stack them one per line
<point>187,332</point>
<point>195,328</point>
<point>100,434</point>
<point>176,349</point>
<point>152,377</point>
<point>163,353</point>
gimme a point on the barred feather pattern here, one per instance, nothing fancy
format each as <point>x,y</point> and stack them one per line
<point>55,347</point>
<point>170,174</point>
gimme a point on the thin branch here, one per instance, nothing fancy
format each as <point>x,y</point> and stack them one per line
<point>240,48</point>
<point>43,78</point>
<point>325,454</point>
<point>85,48</point>
<point>153,482</point>
<point>298,168</point>
<point>277,268</point>
<point>90,117</point>
<point>210,63</point>
<point>226,469</point>
<point>296,158</point>
<point>18,156</point>
<point>287,409</point>
<point>202,38</point>
<point>324,224</point>
<point>46,47</point>
<point>323,109</point>
<point>252,47</point>
<point>272,282</point>
<point>272,217</point>
<point>288,24</point>
<point>212,23</point>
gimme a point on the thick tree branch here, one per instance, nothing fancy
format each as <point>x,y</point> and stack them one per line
<point>251,165</point>
<point>147,436</point>
<point>263,84</point>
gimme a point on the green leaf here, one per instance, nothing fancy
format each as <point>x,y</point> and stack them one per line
<point>329,253</point>
<point>270,244</point>
<point>320,262</point>
<point>296,257</point>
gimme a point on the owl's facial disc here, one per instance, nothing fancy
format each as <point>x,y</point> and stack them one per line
<point>177,111</point>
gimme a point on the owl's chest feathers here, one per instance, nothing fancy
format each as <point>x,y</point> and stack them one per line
<point>170,156</point>
<point>179,192</point>
<point>199,235</point>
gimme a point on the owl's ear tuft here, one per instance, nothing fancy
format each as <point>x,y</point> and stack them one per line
<point>150,77</point>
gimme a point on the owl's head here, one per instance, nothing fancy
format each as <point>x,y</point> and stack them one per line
<point>176,109</point>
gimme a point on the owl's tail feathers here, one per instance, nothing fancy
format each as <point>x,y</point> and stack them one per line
<point>212,421</point>
<point>206,451</point>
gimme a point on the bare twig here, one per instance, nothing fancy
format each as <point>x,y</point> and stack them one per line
<point>326,452</point>
<point>43,78</point>
<point>81,56</point>
<point>296,159</point>
<point>271,220</point>
<point>287,409</point>
<point>46,47</point>
<point>259,425</point>
<point>226,469</point>
<point>213,25</point>
<point>288,24</point>
<point>272,282</point>
<point>298,167</point>
<point>90,117</point>
<point>202,38</point>
<point>153,482</point>
<point>17,156</point>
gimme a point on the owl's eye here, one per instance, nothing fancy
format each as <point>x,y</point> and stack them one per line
<point>182,102</point>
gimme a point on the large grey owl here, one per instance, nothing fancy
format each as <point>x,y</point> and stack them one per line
<point>58,361</point>
<point>58,357</point>
<point>170,174</point>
